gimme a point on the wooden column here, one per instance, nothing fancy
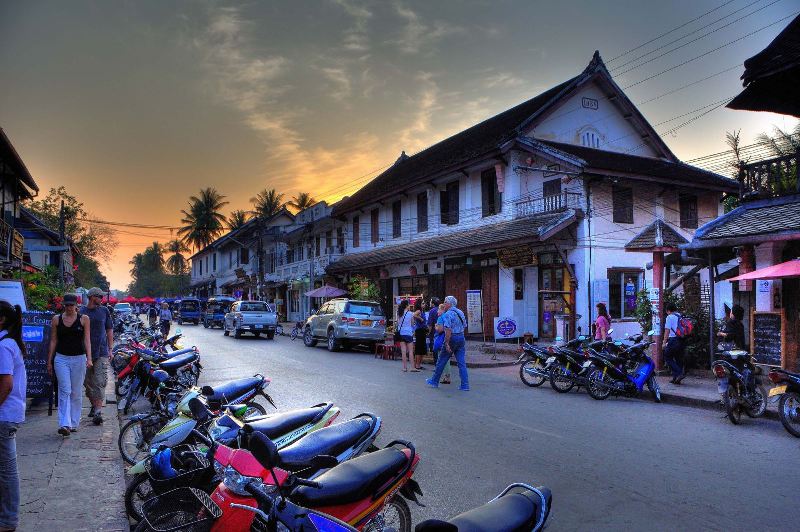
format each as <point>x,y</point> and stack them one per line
<point>658,282</point>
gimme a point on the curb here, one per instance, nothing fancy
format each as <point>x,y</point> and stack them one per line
<point>475,365</point>
<point>706,404</point>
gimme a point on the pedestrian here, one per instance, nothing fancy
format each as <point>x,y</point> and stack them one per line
<point>69,356</point>
<point>102,339</point>
<point>454,323</point>
<point>433,315</point>
<point>13,384</point>
<point>165,317</point>
<point>405,332</point>
<point>673,344</point>
<point>733,335</point>
<point>438,343</point>
<point>603,323</point>
<point>152,315</point>
<point>420,334</point>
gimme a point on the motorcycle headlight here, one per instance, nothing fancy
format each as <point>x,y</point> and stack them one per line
<point>236,482</point>
<point>219,468</point>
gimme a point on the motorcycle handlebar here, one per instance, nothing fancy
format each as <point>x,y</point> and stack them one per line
<point>262,498</point>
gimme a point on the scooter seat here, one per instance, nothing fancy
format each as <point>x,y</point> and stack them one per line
<point>276,425</point>
<point>353,480</point>
<point>171,365</point>
<point>229,391</point>
<point>331,441</point>
<point>173,354</point>
<point>511,512</point>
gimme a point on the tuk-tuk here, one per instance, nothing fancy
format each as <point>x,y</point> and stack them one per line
<point>215,311</point>
<point>189,311</point>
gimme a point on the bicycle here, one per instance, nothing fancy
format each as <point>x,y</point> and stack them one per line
<point>297,331</point>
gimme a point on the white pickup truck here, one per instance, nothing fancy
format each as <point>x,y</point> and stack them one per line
<point>251,316</point>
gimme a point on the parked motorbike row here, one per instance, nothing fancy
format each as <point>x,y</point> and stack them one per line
<point>210,458</point>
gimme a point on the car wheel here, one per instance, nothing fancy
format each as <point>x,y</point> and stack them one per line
<point>237,333</point>
<point>308,338</point>
<point>205,324</point>
<point>270,335</point>
<point>333,344</point>
<point>257,334</point>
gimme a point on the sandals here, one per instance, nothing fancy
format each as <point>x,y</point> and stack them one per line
<point>64,431</point>
<point>415,370</point>
<point>446,381</point>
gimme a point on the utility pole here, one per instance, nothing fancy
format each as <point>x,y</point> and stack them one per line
<point>311,267</point>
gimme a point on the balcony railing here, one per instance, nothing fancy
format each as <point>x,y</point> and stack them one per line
<point>769,178</point>
<point>548,204</point>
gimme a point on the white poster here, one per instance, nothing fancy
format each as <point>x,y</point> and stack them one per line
<point>474,311</point>
<point>599,293</point>
<point>11,290</point>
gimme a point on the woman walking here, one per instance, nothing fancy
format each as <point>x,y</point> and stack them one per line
<point>165,317</point>
<point>13,384</point>
<point>420,334</point>
<point>69,356</point>
<point>405,331</point>
<point>602,323</point>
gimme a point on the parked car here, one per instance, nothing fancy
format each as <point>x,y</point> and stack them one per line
<point>251,316</point>
<point>122,309</point>
<point>189,311</point>
<point>344,321</point>
<point>217,307</point>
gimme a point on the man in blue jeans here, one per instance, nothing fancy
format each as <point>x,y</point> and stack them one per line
<point>454,324</point>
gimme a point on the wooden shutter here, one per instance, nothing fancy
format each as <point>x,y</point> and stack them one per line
<point>376,225</point>
<point>422,212</point>
<point>397,224</point>
<point>622,198</point>
<point>452,203</point>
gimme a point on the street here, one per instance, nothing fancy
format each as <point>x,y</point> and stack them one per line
<point>620,464</point>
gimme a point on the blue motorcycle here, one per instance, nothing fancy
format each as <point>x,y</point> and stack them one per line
<point>621,371</point>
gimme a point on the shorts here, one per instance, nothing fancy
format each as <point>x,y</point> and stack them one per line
<point>96,379</point>
<point>407,338</point>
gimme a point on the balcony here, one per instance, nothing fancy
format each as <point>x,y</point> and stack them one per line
<point>548,204</point>
<point>770,178</point>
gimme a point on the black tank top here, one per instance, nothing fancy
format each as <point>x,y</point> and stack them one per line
<point>70,339</point>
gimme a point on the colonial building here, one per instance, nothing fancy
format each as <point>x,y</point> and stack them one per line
<point>16,185</point>
<point>532,207</point>
<point>43,247</point>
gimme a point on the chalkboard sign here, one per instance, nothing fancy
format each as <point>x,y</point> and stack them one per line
<point>767,337</point>
<point>36,336</point>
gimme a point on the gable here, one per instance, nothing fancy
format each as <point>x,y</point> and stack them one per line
<point>589,118</point>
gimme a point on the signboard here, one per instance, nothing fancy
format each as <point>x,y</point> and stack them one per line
<point>767,337</point>
<point>764,286</point>
<point>11,290</point>
<point>507,327</point>
<point>653,294</point>
<point>36,336</point>
<point>18,245</point>
<point>517,256</point>
<point>474,311</point>
<point>590,103</point>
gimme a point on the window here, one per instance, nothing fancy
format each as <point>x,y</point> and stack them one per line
<point>245,256</point>
<point>687,203</point>
<point>552,187</point>
<point>491,199</point>
<point>590,139</point>
<point>356,230</point>
<point>214,261</point>
<point>519,287</point>
<point>448,204</point>
<point>328,241</point>
<point>317,244</point>
<point>622,199</point>
<point>340,239</point>
<point>201,266</point>
<point>375,219</point>
<point>397,223</point>
<point>623,287</point>
<point>422,212</point>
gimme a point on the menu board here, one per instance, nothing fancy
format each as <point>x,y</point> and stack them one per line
<point>36,336</point>
<point>767,337</point>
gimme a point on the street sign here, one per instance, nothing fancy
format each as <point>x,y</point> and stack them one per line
<point>506,327</point>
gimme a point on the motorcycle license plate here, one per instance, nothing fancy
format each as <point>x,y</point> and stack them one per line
<point>551,360</point>
<point>778,390</point>
<point>587,364</point>
<point>366,323</point>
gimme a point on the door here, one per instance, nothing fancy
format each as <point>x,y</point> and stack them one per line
<point>530,300</point>
<point>552,302</point>
<point>319,321</point>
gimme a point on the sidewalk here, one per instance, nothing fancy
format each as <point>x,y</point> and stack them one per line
<point>75,482</point>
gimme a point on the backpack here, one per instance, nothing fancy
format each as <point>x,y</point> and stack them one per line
<point>685,327</point>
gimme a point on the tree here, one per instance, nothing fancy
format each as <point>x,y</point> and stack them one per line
<point>301,201</point>
<point>147,271</point>
<point>176,263</point>
<point>781,142</point>
<point>203,222</point>
<point>88,273</point>
<point>237,219</point>
<point>267,203</point>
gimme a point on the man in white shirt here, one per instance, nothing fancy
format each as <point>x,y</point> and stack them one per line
<point>673,344</point>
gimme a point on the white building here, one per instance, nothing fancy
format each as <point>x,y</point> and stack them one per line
<point>533,207</point>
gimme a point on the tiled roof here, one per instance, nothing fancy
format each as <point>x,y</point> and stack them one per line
<point>645,166</point>
<point>658,234</point>
<point>534,228</point>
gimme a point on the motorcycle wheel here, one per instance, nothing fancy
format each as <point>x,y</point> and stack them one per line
<point>789,411</point>
<point>531,379</point>
<point>759,400</point>
<point>121,387</point>
<point>136,494</point>
<point>732,409</point>
<point>396,516</point>
<point>559,381</point>
<point>254,409</point>
<point>132,442</point>
<point>595,387</point>
<point>130,398</point>
<point>655,391</point>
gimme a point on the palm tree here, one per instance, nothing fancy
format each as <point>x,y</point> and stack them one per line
<point>781,142</point>
<point>176,263</point>
<point>302,201</point>
<point>203,221</point>
<point>267,203</point>
<point>237,219</point>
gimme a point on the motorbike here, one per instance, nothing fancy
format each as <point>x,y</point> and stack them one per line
<point>565,365</point>
<point>125,373</point>
<point>518,507</point>
<point>744,392</point>
<point>533,369</point>
<point>621,370</point>
<point>183,368</point>
<point>787,386</point>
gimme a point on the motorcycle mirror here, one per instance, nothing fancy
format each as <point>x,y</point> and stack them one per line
<point>264,450</point>
<point>324,461</point>
<point>208,391</point>
<point>198,409</point>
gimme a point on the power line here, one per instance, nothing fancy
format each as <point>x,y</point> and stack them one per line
<point>126,224</point>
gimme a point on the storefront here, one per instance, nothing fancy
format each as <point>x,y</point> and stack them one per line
<point>474,272</point>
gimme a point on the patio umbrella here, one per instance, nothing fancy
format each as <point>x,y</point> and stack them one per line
<point>147,299</point>
<point>326,291</point>
<point>783,270</point>
<point>130,299</point>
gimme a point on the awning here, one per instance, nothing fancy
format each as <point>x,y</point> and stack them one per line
<point>326,291</point>
<point>778,271</point>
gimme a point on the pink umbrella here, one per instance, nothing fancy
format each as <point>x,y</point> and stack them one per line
<point>326,291</point>
<point>789,268</point>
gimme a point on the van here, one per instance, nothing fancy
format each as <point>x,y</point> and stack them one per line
<point>189,311</point>
<point>215,311</point>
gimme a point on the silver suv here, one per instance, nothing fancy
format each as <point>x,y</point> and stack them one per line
<point>346,321</point>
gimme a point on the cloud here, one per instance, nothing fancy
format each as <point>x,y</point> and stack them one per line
<point>355,37</point>
<point>417,35</point>
<point>416,135</point>
<point>503,80</point>
<point>342,88</point>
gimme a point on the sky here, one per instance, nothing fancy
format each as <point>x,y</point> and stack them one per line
<point>136,105</point>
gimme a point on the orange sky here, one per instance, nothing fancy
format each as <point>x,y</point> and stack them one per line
<point>136,106</point>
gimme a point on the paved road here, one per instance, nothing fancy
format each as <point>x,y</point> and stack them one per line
<point>620,464</point>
